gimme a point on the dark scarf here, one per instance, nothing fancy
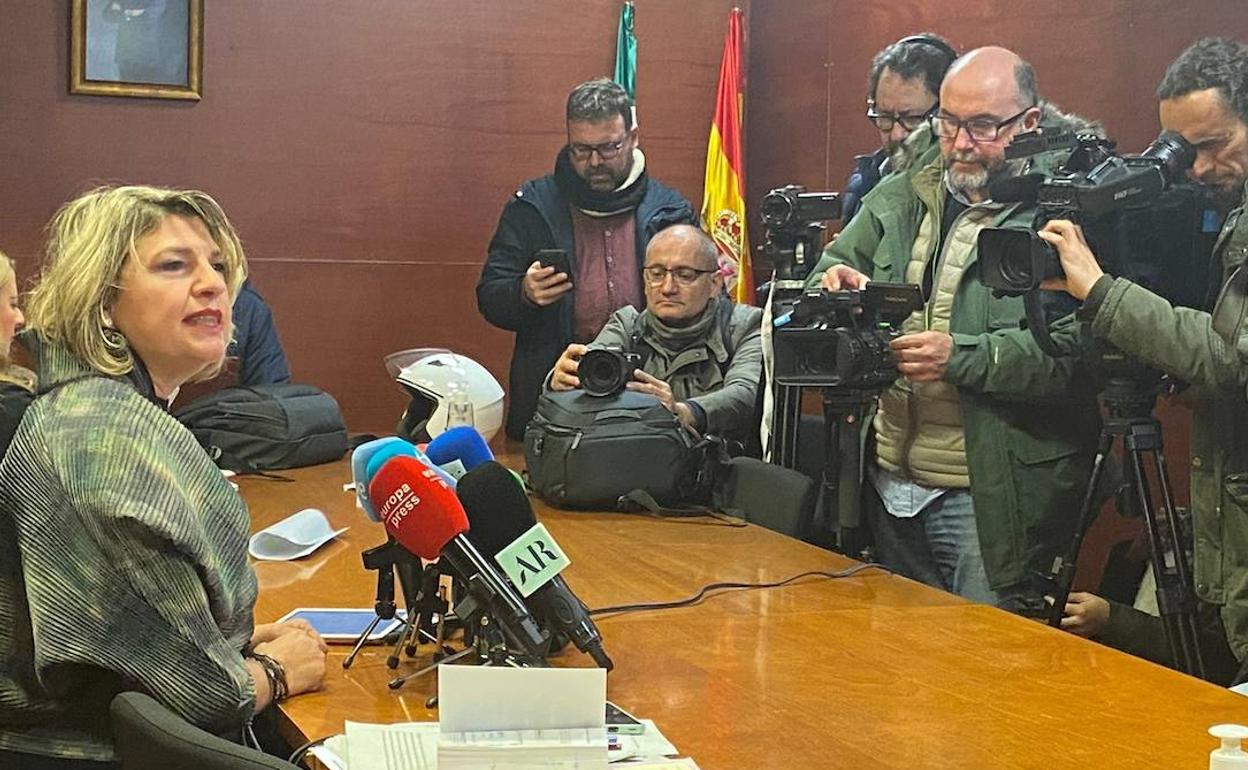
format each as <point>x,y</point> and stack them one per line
<point>578,191</point>
<point>679,338</point>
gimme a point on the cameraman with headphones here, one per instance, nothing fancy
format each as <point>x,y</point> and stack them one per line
<point>1204,97</point>
<point>903,89</point>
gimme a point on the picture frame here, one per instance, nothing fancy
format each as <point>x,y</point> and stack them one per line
<point>144,48</point>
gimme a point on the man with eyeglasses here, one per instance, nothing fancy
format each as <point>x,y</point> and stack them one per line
<point>984,443</point>
<point>601,208</point>
<point>1203,97</point>
<point>903,88</point>
<point>702,353</point>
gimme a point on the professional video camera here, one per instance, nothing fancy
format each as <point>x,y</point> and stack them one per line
<point>840,339</point>
<point>793,219</point>
<point>605,371</point>
<point>1141,219</point>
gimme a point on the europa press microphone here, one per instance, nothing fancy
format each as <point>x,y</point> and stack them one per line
<point>500,515</point>
<point>421,512</point>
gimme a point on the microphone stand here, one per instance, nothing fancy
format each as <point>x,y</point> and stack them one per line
<point>492,642</point>
<point>419,602</point>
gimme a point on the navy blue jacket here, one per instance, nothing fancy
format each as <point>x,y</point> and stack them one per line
<point>539,217</point>
<point>261,359</point>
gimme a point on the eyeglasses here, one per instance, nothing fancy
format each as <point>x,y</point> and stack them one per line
<point>606,151</point>
<point>886,120</point>
<point>978,129</point>
<point>655,275</point>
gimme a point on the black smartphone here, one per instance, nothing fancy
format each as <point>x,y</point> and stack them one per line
<point>556,258</point>
<point>622,722</point>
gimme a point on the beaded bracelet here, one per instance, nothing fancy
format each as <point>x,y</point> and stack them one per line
<point>276,675</point>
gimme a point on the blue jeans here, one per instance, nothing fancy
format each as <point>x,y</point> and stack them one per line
<point>940,547</point>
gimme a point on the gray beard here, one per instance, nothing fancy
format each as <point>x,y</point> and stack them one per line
<point>976,183</point>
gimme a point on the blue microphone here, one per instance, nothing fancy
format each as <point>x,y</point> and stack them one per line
<point>368,459</point>
<point>362,475</point>
<point>459,450</point>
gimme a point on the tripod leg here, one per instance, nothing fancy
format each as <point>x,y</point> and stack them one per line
<point>360,640</point>
<point>399,681</point>
<point>1182,595</point>
<point>1062,576</point>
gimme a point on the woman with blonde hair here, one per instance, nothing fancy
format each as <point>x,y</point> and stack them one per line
<point>16,383</point>
<point>123,551</point>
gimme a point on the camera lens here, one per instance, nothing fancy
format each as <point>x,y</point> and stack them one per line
<point>1175,154</point>
<point>777,209</point>
<point>603,372</point>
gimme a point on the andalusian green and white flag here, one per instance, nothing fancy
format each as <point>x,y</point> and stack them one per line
<point>626,56</point>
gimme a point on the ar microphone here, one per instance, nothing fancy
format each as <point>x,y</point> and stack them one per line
<point>362,472</point>
<point>459,450</point>
<point>423,515</point>
<point>500,514</point>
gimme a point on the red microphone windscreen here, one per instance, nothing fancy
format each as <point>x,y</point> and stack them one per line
<point>418,508</point>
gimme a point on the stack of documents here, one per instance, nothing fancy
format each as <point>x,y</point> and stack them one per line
<point>574,749</point>
<point>508,718</point>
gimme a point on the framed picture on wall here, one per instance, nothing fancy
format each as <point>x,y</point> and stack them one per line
<point>147,48</point>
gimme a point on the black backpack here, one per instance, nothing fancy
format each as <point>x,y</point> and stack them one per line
<point>586,451</point>
<point>267,427</point>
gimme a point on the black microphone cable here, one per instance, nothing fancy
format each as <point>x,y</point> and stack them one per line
<point>714,589</point>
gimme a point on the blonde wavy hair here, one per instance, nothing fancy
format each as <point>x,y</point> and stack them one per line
<point>89,241</point>
<point>10,372</point>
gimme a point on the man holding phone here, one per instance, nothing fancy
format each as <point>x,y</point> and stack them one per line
<point>569,246</point>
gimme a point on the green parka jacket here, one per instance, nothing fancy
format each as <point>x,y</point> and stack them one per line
<point>1186,343</point>
<point>1031,421</point>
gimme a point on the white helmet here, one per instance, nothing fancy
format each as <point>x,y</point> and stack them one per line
<point>447,386</point>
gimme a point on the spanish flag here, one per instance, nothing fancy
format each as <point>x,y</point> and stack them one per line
<point>723,197</point>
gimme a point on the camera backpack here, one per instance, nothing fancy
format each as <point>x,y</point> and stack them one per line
<point>594,451</point>
<point>267,427</point>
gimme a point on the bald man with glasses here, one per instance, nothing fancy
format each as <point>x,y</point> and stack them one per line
<point>701,353</point>
<point>984,443</point>
<point>600,207</point>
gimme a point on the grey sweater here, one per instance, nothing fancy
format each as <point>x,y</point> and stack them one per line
<point>123,565</point>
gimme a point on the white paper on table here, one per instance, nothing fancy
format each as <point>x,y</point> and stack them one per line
<point>651,744</point>
<point>487,698</point>
<point>332,753</point>
<point>293,537</point>
<point>405,746</point>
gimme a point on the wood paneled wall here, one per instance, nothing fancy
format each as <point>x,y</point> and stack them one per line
<point>364,150</point>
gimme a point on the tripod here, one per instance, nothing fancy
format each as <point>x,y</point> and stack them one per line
<point>1129,401</point>
<point>841,478</point>
<point>421,600</point>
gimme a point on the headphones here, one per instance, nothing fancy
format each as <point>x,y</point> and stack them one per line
<point>933,41</point>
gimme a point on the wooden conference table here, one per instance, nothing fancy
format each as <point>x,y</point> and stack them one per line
<point>872,671</point>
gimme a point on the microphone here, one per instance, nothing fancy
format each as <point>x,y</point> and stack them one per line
<point>420,511</point>
<point>500,514</point>
<point>459,450</point>
<point>362,473</point>
<point>402,449</point>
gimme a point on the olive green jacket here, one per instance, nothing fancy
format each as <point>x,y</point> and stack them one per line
<point>1031,421</point>
<point>1193,345</point>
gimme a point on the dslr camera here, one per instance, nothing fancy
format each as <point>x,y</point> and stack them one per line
<point>605,371</point>
<point>1140,217</point>
<point>841,339</point>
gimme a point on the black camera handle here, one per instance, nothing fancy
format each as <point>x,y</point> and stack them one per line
<point>1038,323</point>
